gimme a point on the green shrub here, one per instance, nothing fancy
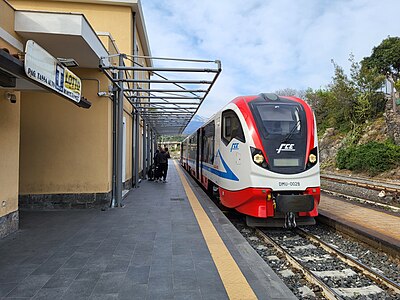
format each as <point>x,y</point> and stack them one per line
<point>372,157</point>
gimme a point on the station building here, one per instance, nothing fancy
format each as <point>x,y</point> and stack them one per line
<point>56,152</point>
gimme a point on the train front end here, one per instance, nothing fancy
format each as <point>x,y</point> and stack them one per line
<point>285,163</point>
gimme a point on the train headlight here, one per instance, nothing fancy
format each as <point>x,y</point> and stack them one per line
<point>312,158</point>
<point>258,158</point>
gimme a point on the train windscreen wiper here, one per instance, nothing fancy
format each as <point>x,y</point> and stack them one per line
<point>289,135</point>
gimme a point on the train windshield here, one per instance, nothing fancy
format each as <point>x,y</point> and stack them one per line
<point>280,119</point>
<point>283,129</point>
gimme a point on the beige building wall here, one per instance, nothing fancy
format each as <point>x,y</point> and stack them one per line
<point>9,158</point>
<point>9,137</point>
<point>66,149</point>
<point>9,161</point>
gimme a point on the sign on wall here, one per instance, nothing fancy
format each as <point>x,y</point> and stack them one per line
<point>47,70</point>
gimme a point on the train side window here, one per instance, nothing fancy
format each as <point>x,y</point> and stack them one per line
<point>231,127</point>
<point>208,143</point>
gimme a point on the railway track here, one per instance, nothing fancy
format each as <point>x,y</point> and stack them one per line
<point>385,195</point>
<point>338,275</point>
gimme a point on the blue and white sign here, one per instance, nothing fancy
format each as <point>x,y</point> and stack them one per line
<point>42,67</point>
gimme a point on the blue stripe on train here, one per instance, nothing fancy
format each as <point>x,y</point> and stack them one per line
<point>227,174</point>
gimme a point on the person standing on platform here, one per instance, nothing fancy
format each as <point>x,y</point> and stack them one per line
<point>163,163</point>
<point>156,166</point>
<point>166,167</point>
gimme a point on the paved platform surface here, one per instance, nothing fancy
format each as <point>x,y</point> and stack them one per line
<point>153,248</point>
<point>377,224</point>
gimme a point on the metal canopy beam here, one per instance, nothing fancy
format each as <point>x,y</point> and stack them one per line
<point>167,97</point>
<point>166,104</point>
<point>169,81</point>
<point>163,91</point>
<point>161,103</point>
<point>150,110</point>
<point>154,69</point>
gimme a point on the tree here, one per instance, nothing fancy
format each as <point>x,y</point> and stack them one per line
<point>322,102</point>
<point>344,93</point>
<point>385,58</point>
<point>370,102</point>
<point>348,101</point>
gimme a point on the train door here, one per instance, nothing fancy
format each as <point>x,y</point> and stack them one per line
<point>217,140</point>
<point>181,158</point>
<point>198,154</point>
<point>201,158</point>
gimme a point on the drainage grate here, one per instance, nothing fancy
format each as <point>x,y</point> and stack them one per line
<point>177,199</point>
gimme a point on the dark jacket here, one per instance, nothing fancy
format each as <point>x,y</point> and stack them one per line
<point>162,157</point>
<point>155,158</point>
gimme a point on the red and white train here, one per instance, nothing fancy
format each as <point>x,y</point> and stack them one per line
<point>259,154</point>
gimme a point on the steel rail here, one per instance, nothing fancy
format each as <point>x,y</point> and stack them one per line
<point>358,182</point>
<point>378,278</point>
<point>390,188</point>
<point>326,290</point>
<point>361,200</point>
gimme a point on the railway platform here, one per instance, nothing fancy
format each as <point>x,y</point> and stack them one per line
<point>169,241</point>
<point>375,226</point>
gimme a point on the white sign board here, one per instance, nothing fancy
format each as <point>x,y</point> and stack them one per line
<point>47,70</point>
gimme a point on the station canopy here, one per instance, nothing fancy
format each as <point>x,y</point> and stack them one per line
<point>167,95</point>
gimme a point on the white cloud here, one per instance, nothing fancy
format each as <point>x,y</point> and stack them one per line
<point>268,45</point>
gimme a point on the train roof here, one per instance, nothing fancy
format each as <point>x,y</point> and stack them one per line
<point>269,97</point>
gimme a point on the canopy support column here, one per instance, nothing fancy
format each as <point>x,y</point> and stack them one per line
<point>148,147</point>
<point>120,131</point>
<point>136,140</point>
<point>144,152</point>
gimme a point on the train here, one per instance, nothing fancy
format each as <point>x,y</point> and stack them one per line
<point>259,156</point>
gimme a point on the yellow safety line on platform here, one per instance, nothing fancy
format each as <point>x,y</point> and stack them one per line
<point>232,277</point>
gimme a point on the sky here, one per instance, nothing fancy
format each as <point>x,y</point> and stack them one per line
<point>268,45</point>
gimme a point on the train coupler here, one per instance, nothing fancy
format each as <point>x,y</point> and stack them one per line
<point>290,220</point>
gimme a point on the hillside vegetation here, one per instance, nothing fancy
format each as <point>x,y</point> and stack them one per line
<point>357,123</point>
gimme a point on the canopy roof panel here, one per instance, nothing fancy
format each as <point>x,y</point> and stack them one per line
<point>64,35</point>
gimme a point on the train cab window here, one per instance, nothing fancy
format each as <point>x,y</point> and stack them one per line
<point>231,127</point>
<point>280,119</point>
